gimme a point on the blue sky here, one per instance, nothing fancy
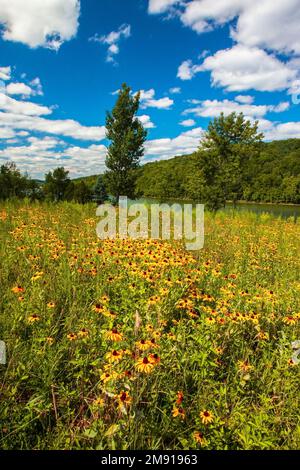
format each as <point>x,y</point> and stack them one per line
<point>61,62</point>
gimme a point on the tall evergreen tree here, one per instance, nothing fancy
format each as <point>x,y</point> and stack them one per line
<point>127,136</point>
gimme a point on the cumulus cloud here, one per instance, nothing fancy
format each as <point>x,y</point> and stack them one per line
<point>42,155</point>
<point>241,68</point>
<point>5,73</point>
<point>160,6</point>
<point>175,91</point>
<point>146,121</point>
<point>19,89</point>
<point>148,100</point>
<point>213,108</point>
<point>188,123</point>
<point>47,24</point>
<point>184,144</point>
<point>26,108</point>
<point>62,127</point>
<point>259,23</point>
<point>112,41</point>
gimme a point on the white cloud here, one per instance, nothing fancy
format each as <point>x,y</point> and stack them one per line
<point>160,6</point>
<point>244,99</point>
<point>186,70</point>
<point>67,127</point>
<point>36,86</point>
<point>22,107</point>
<point>213,108</point>
<point>147,100</point>
<point>282,131</point>
<point>269,24</point>
<point>6,133</point>
<point>43,155</point>
<point>146,121</point>
<point>184,144</point>
<point>47,24</point>
<point>175,90</point>
<point>112,40</point>
<point>241,68</point>
<point>188,123</point>
<point>5,73</point>
<point>19,89</point>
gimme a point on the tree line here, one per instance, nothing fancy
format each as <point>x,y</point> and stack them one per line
<point>233,163</point>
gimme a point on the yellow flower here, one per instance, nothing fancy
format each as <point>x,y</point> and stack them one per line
<point>144,365</point>
<point>99,402</point>
<point>143,345</point>
<point>124,398</point>
<point>114,356</point>
<point>51,305</point>
<point>33,318</point>
<point>114,335</point>
<point>83,333</point>
<point>206,417</point>
<point>72,336</point>
<point>199,438</point>
<point>244,366</point>
<point>178,412</point>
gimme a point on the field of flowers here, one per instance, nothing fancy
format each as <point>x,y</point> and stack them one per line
<point>138,344</point>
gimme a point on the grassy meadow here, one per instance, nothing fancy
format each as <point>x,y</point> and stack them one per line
<point>139,344</point>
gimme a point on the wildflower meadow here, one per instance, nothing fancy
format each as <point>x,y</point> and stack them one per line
<point>141,344</point>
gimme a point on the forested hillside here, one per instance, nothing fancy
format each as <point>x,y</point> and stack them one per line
<point>271,176</point>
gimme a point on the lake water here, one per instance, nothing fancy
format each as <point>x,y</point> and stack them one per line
<point>278,210</point>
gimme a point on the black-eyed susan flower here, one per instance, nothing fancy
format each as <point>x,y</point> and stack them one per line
<point>143,345</point>
<point>83,333</point>
<point>144,365</point>
<point>33,318</point>
<point>17,289</point>
<point>114,335</point>
<point>178,412</point>
<point>206,417</point>
<point>99,402</point>
<point>199,438</point>
<point>72,336</point>
<point>154,359</point>
<point>51,305</point>
<point>114,356</point>
<point>124,398</point>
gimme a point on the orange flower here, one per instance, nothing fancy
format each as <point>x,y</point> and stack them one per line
<point>179,398</point>
<point>154,358</point>
<point>17,289</point>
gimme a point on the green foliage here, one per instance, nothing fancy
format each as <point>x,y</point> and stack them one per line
<point>127,137</point>
<point>82,194</point>
<point>271,175</point>
<point>99,190</point>
<point>57,185</point>
<point>221,322</point>
<point>228,144</point>
<point>13,184</point>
